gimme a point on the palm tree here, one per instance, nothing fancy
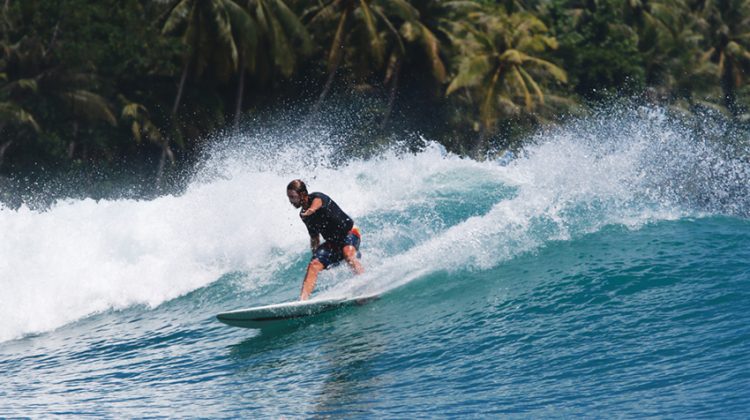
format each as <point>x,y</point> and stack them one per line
<point>237,37</point>
<point>669,41</point>
<point>37,80</point>
<point>351,18</point>
<point>245,37</point>
<point>282,34</point>
<point>421,38</point>
<point>656,23</point>
<point>272,40</point>
<point>142,128</point>
<point>727,26</point>
<point>13,115</point>
<point>498,61</point>
<point>219,35</point>
<point>207,32</point>
<point>373,35</point>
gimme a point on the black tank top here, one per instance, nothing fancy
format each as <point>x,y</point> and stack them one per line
<point>329,221</point>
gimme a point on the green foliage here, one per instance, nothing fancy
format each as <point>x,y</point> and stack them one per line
<point>11,113</point>
<point>599,50</point>
<point>282,37</point>
<point>86,82</point>
<point>727,26</point>
<point>499,60</point>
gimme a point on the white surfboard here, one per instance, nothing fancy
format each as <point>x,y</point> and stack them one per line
<point>265,316</point>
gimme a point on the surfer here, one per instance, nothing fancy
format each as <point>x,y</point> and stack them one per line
<point>323,217</point>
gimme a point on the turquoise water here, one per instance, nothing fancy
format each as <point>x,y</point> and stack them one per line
<point>604,272</point>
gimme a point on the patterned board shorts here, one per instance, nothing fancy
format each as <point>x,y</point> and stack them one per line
<point>331,254</point>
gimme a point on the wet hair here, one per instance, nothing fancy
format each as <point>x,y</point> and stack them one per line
<point>297,185</point>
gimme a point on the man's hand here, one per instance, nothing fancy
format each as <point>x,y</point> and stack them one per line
<point>316,204</point>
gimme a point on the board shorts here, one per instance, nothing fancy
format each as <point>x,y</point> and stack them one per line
<point>330,254</point>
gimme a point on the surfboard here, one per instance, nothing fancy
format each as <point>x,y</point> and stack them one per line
<point>269,315</point>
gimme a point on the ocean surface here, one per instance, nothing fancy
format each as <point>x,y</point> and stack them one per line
<point>603,271</point>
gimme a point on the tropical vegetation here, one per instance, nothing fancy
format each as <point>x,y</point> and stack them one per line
<point>102,84</point>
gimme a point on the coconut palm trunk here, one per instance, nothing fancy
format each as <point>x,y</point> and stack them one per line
<point>480,145</point>
<point>393,93</point>
<point>4,146</point>
<point>329,83</point>
<point>334,60</point>
<point>728,88</point>
<point>166,153</point>
<point>73,143</point>
<point>240,94</point>
<point>180,89</point>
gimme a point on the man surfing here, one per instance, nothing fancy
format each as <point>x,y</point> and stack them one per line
<point>323,217</point>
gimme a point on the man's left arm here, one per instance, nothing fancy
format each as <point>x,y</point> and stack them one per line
<point>316,204</point>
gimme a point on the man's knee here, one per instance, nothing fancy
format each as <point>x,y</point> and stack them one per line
<point>350,252</point>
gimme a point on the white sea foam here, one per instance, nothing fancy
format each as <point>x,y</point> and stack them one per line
<point>629,170</point>
<point>80,257</point>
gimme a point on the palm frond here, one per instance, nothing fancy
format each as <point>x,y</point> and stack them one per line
<point>487,110</point>
<point>140,123</point>
<point>293,26</point>
<point>89,105</point>
<point>520,84</point>
<point>555,71</point>
<point>243,28</point>
<point>534,86</point>
<point>14,114</point>
<point>336,46</point>
<point>223,27</point>
<point>281,48</point>
<point>327,12</point>
<point>402,9</point>
<point>377,50</point>
<point>176,21</point>
<point>19,87</point>
<point>471,72</point>
<point>392,29</point>
<point>432,48</point>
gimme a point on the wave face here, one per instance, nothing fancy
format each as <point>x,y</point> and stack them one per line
<point>603,270</point>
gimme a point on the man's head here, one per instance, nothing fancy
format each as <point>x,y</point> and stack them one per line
<point>296,191</point>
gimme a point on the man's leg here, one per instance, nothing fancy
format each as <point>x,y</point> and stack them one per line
<point>350,255</point>
<point>311,277</point>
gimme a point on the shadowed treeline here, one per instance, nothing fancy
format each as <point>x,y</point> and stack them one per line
<point>108,83</point>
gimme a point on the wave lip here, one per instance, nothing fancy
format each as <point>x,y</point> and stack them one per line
<point>420,213</point>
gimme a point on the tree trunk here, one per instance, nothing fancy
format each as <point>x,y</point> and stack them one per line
<point>326,87</point>
<point>334,67</point>
<point>728,88</point>
<point>180,88</point>
<point>72,144</point>
<point>52,40</point>
<point>392,97</point>
<point>480,146</point>
<point>240,93</point>
<point>166,152</point>
<point>3,148</point>
<point>160,171</point>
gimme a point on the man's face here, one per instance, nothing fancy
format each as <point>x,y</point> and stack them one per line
<point>294,198</point>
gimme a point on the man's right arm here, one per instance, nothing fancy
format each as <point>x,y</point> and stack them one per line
<point>314,242</point>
